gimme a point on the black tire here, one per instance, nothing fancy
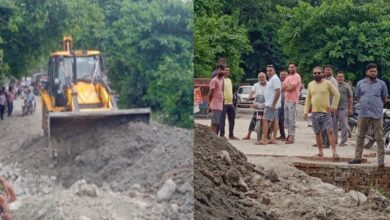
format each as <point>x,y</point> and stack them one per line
<point>45,119</point>
<point>386,136</point>
<point>369,140</point>
<point>259,129</point>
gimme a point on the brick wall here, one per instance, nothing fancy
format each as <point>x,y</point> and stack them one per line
<point>349,177</point>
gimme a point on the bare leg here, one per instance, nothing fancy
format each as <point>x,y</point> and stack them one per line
<point>265,131</point>
<point>275,130</point>
<point>319,143</point>
<point>332,140</point>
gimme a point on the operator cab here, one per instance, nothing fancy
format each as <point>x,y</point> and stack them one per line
<point>69,68</point>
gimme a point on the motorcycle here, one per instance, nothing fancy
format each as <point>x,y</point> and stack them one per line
<point>353,120</point>
<point>29,107</point>
<point>258,110</point>
<point>370,138</point>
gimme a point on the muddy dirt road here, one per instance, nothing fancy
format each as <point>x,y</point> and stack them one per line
<point>131,171</point>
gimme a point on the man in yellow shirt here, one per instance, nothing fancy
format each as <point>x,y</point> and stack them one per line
<point>228,107</point>
<point>318,93</point>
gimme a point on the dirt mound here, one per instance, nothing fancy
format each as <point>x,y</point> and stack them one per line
<point>221,177</point>
<point>133,156</point>
<point>228,187</point>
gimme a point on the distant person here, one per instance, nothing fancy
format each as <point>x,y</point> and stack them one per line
<point>283,74</point>
<point>272,103</point>
<point>215,105</point>
<point>344,108</point>
<point>7,195</point>
<point>3,101</point>
<point>221,61</point>
<point>291,89</point>
<point>318,97</point>
<point>10,101</point>
<point>371,93</point>
<point>352,88</point>
<point>228,107</point>
<point>257,89</point>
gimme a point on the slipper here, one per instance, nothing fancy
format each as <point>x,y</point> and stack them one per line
<point>336,156</point>
<point>319,155</point>
<point>289,142</point>
<point>246,138</point>
<point>272,142</point>
<point>261,143</point>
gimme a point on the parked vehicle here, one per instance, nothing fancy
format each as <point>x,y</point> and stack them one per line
<point>303,95</point>
<point>242,96</point>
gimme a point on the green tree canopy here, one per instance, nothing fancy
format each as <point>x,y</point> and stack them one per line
<point>343,33</point>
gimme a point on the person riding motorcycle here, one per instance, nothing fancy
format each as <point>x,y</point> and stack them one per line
<point>29,102</point>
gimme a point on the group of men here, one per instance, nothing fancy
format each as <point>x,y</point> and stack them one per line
<point>329,100</point>
<point>6,101</point>
<point>279,99</point>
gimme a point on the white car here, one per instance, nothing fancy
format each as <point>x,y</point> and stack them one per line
<point>242,96</point>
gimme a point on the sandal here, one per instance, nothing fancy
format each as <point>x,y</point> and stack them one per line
<point>319,155</point>
<point>272,142</point>
<point>261,143</point>
<point>289,141</point>
<point>336,156</point>
<point>246,138</point>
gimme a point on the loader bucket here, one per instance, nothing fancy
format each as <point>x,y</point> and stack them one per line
<point>64,125</point>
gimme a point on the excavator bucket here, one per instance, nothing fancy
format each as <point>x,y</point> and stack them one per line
<point>63,125</point>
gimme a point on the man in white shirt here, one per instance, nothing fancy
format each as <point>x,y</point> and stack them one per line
<point>272,103</point>
<point>257,89</point>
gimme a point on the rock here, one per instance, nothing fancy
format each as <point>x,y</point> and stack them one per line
<point>320,212</point>
<point>256,180</point>
<point>84,189</point>
<point>359,197</point>
<point>233,178</point>
<point>186,187</point>
<point>377,201</point>
<point>225,157</point>
<point>166,191</point>
<point>174,211</point>
<point>272,176</point>
<point>266,201</point>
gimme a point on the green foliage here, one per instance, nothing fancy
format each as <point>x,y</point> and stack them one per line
<point>219,37</point>
<point>345,34</point>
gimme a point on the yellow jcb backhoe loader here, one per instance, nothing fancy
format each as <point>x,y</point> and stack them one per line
<point>78,96</point>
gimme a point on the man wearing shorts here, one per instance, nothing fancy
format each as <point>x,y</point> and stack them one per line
<point>215,106</point>
<point>318,97</point>
<point>272,103</point>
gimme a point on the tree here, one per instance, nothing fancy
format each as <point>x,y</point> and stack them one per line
<point>218,35</point>
<point>343,33</point>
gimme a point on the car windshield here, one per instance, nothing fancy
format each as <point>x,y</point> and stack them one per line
<point>87,68</point>
<point>244,90</point>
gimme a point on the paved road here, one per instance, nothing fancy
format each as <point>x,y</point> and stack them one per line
<point>302,146</point>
